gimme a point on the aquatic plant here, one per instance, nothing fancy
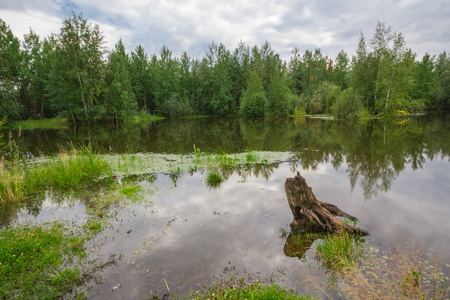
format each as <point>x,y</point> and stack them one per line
<point>340,251</point>
<point>214,179</point>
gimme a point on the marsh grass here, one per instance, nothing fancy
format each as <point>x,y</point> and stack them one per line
<point>399,273</point>
<point>66,169</point>
<point>341,251</point>
<point>364,272</point>
<point>33,259</point>
<point>11,183</point>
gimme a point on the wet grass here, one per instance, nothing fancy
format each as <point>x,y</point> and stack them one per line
<point>33,262</point>
<point>65,170</point>
<point>241,288</point>
<point>341,251</point>
<point>363,271</point>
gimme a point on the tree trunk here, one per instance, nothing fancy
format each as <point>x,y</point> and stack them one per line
<point>313,215</point>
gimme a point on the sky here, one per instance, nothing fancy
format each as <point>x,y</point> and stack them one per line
<point>191,25</point>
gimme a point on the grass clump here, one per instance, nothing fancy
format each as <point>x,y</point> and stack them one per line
<point>214,179</point>
<point>11,183</point>
<point>32,259</point>
<point>341,251</point>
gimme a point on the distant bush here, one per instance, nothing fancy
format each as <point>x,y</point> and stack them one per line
<point>323,98</point>
<point>176,106</point>
<point>253,99</point>
<point>348,105</point>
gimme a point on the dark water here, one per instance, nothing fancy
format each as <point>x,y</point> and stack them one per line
<point>393,177</point>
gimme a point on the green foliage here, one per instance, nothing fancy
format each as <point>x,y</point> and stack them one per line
<point>32,262</point>
<point>253,99</point>
<point>119,92</point>
<point>348,105</point>
<point>175,107</point>
<point>277,92</point>
<point>67,75</point>
<point>324,98</point>
<point>10,65</point>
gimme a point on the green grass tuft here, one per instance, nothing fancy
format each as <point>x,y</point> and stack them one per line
<point>340,251</point>
<point>214,179</point>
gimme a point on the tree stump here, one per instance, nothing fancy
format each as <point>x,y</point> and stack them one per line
<point>312,215</point>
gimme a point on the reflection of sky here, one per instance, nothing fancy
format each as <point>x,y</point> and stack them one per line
<point>196,231</point>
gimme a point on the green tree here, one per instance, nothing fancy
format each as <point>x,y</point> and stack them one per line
<point>253,99</point>
<point>364,73</point>
<point>441,93</point>
<point>140,78</point>
<point>121,102</point>
<point>395,70</point>
<point>341,70</point>
<point>78,69</point>
<point>277,94</point>
<point>10,67</point>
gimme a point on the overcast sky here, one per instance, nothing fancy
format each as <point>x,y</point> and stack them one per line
<point>190,25</point>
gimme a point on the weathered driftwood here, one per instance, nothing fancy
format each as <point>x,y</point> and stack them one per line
<point>311,214</point>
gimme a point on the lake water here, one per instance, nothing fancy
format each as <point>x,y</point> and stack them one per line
<point>393,176</point>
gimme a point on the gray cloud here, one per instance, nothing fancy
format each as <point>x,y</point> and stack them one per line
<point>192,24</point>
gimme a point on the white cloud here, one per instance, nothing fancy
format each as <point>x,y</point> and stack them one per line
<point>192,24</point>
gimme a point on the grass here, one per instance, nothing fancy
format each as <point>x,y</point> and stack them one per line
<point>399,273</point>
<point>33,259</point>
<point>365,272</point>
<point>340,252</point>
<point>239,288</point>
<point>66,169</point>
<point>130,191</point>
<point>214,179</point>
<point>62,123</point>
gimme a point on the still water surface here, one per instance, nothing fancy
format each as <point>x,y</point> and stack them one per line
<point>394,176</point>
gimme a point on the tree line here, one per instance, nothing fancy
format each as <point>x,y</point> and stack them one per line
<point>72,74</point>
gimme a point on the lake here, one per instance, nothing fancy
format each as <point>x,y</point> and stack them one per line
<point>179,232</point>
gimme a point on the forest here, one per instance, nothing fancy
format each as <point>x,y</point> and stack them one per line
<point>72,74</point>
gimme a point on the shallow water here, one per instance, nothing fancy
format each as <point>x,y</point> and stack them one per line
<point>393,177</point>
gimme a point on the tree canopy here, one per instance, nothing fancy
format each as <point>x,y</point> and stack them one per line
<point>72,74</point>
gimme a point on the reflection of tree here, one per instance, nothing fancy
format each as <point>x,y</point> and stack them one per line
<point>375,153</point>
<point>297,245</point>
